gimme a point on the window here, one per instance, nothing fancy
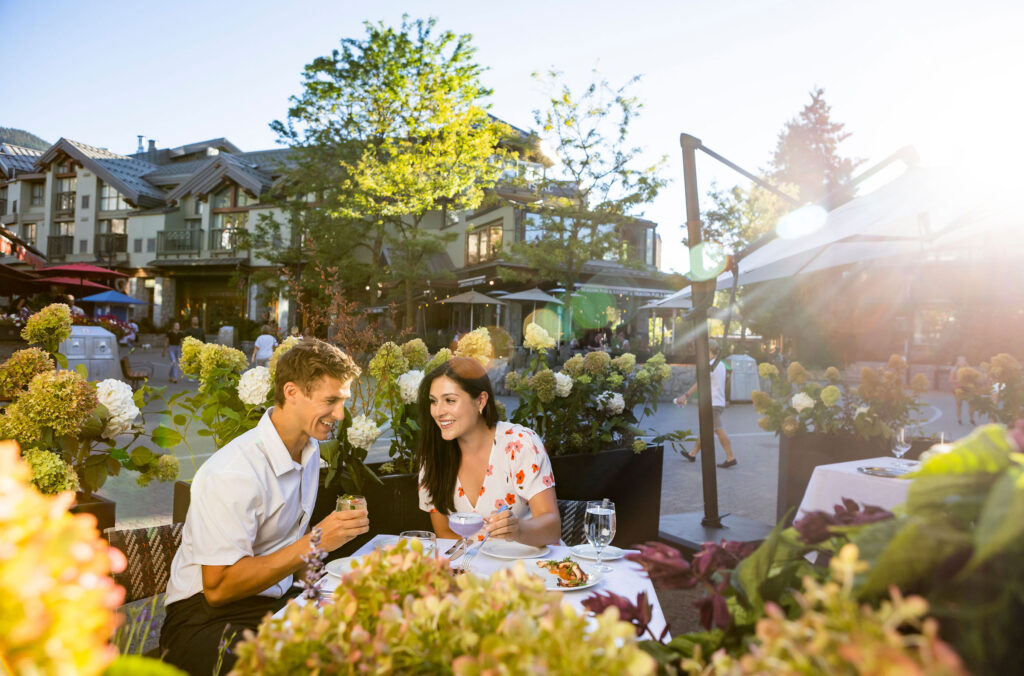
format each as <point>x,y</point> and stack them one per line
<point>14,207</point>
<point>114,226</point>
<point>85,201</point>
<point>150,244</point>
<point>66,194</point>
<point>37,195</point>
<point>62,229</point>
<point>28,233</point>
<point>238,220</point>
<point>193,223</point>
<point>484,243</point>
<point>231,197</point>
<point>111,199</point>
<point>137,245</point>
<point>197,207</point>
<point>83,246</point>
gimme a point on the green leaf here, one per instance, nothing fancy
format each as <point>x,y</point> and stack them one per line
<point>113,466</point>
<point>960,494</point>
<point>180,420</point>
<point>139,397</point>
<point>203,432</point>
<point>209,413</point>
<point>82,371</point>
<point>1002,519</point>
<point>142,456</point>
<point>230,413</point>
<point>986,450</point>
<point>94,474</point>
<point>62,361</point>
<point>118,454</point>
<point>93,425</point>
<point>753,570</point>
<point>165,437</point>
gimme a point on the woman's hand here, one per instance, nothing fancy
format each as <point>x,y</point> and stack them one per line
<point>503,525</point>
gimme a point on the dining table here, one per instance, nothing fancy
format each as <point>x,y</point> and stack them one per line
<point>626,578</point>
<point>829,484</point>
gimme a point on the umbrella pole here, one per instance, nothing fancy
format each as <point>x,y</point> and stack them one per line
<point>470,317</point>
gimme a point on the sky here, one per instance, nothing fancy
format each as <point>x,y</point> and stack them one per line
<point>943,76</point>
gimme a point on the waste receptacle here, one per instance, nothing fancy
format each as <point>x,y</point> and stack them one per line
<point>96,348</point>
<point>226,336</point>
<point>744,377</point>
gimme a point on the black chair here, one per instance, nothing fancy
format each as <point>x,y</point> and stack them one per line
<point>572,513</point>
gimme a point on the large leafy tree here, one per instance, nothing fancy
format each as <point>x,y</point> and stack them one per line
<point>598,184</point>
<point>387,131</point>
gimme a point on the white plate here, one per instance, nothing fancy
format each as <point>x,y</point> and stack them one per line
<point>506,549</point>
<point>609,553</point>
<point>551,580</point>
<point>339,567</point>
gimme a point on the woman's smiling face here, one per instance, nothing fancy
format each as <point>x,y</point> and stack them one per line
<point>451,407</point>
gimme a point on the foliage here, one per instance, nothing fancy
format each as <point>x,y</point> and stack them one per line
<point>20,137</point>
<point>1001,395</point>
<point>589,404</point>
<point>398,611</point>
<point>49,327</point>
<point>598,188</point>
<point>17,372</point>
<point>50,474</point>
<point>56,594</point>
<point>387,130</point>
<point>796,403</point>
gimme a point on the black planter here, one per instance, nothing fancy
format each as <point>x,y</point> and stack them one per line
<point>99,506</point>
<point>632,481</point>
<point>393,506</point>
<point>800,454</point>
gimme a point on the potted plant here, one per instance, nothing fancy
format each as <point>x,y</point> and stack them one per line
<point>74,432</point>
<point>585,415</point>
<point>820,424</point>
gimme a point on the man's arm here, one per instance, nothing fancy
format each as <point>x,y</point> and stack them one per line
<point>252,574</point>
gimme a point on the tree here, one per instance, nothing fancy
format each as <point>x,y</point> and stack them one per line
<point>596,188</point>
<point>388,130</point>
<point>807,156</point>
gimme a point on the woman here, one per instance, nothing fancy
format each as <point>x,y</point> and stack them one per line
<point>470,462</point>
<point>172,345</point>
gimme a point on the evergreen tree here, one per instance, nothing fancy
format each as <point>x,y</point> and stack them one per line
<point>20,137</point>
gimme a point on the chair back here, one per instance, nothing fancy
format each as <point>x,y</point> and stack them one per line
<point>572,513</point>
<point>150,552</point>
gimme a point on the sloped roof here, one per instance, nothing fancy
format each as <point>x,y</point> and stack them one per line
<point>122,172</point>
<point>17,159</point>
<point>246,174</point>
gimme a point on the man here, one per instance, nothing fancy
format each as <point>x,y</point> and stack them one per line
<point>194,331</point>
<point>247,523</point>
<point>717,406</point>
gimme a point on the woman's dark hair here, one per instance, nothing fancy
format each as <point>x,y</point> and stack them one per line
<point>440,458</point>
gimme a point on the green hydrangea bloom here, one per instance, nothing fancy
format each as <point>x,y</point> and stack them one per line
<point>574,366</point>
<point>614,380</point>
<point>625,363</point>
<point>18,371</point>
<point>596,363</point>
<point>832,375</point>
<point>830,395</point>
<point>416,353</point>
<point>56,400</point>
<point>287,344</point>
<point>50,474</point>
<point>443,356</point>
<point>388,363</point>
<point>767,370</point>
<point>189,361</point>
<point>48,327</point>
<point>543,383</point>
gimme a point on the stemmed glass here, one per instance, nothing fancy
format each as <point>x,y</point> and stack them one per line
<point>599,524</point>
<point>900,445</point>
<point>465,524</point>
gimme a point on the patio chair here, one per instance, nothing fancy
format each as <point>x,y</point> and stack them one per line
<point>572,513</point>
<point>134,378</point>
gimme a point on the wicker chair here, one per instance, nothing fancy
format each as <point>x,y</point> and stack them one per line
<point>149,552</point>
<point>572,513</point>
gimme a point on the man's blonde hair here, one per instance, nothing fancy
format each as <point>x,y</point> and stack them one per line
<point>309,361</point>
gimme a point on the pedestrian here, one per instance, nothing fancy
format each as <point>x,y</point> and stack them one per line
<point>172,347</point>
<point>131,336</point>
<point>263,349</point>
<point>295,333</point>
<point>195,331</point>
<point>246,530</point>
<point>960,393</point>
<point>717,406</point>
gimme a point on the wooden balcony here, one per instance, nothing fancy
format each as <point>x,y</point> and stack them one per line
<point>177,243</point>
<point>59,246</point>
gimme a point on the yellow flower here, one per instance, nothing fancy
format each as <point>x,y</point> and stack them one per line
<point>1005,369</point>
<point>57,400</point>
<point>625,363</point>
<point>797,374</point>
<point>830,395</point>
<point>767,370</point>
<point>536,338</point>
<point>574,366</point>
<point>50,474</point>
<point>919,383</point>
<point>790,426</point>
<point>416,353</point>
<point>18,371</point>
<point>896,363</point>
<point>388,363</point>
<point>287,344</point>
<point>762,401</point>
<point>48,327</point>
<point>832,375</point>
<point>477,345</point>
<point>442,357</point>
<point>596,363</point>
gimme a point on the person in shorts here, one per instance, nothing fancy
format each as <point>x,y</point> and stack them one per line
<point>263,349</point>
<point>717,406</point>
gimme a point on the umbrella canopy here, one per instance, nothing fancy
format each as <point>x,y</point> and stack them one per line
<point>81,270</point>
<point>113,298</point>
<point>472,298</point>
<point>534,294</point>
<point>70,281</point>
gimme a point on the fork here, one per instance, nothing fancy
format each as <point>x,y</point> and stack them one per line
<point>471,554</point>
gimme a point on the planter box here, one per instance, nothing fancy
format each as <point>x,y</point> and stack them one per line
<point>799,455</point>
<point>632,481</point>
<point>100,507</point>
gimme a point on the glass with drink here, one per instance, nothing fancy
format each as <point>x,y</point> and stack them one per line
<point>347,502</point>
<point>599,524</point>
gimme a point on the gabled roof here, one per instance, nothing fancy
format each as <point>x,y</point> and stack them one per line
<point>200,146</point>
<point>248,175</point>
<point>16,159</point>
<point>124,173</point>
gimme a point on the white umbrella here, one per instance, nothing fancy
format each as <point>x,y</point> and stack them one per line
<point>472,298</point>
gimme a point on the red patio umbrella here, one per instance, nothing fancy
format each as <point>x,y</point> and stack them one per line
<point>70,281</point>
<point>81,270</point>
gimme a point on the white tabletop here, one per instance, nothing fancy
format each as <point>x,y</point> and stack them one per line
<point>625,579</point>
<point>829,484</point>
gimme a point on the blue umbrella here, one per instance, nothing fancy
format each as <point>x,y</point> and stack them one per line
<point>113,298</point>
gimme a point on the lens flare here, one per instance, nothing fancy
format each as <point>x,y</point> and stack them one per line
<point>801,222</point>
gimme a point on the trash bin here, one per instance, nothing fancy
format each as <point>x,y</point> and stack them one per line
<point>744,377</point>
<point>96,348</point>
<point>226,336</point>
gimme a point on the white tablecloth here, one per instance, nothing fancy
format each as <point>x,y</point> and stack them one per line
<point>829,484</point>
<point>626,578</point>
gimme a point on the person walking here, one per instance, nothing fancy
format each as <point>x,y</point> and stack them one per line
<point>172,346</point>
<point>263,349</point>
<point>717,406</point>
<point>194,331</point>
<point>960,392</point>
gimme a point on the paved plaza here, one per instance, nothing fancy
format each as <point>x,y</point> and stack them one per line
<point>747,490</point>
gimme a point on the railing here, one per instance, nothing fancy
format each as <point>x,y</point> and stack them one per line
<point>178,242</point>
<point>107,243</point>
<point>65,203</point>
<point>224,240</point>
<point>59,246</point>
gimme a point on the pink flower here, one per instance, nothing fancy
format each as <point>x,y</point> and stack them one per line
<point>549,480</point>
<point>498,504</point>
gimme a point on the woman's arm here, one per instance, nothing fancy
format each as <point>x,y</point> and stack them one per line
<point>439,522</point>
<point>544,527</point>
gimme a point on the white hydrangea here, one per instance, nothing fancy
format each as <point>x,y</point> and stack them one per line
<point>537,338</point>
<point>254,386</point>
<point>801,401</point>
<point>363,432</point>
<point>116,395</point>
<point>861,410</point>
<point>563,385</point>
<point>409,384</point>
<point>612,402</point>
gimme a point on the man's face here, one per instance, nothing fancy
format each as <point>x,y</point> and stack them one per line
<point>319,412</point>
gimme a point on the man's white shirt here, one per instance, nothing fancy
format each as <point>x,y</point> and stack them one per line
<point>718,384</point>
<point>248,499</point>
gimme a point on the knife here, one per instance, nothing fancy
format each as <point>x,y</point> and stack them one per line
<point>461,541</point>
<point>460,549</point>
<point>471,554</point>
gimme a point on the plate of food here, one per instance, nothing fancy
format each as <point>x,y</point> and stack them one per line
<point>588,551</point>
<point>567,575</point>
<point>507,549</point>
<point>339,567</point>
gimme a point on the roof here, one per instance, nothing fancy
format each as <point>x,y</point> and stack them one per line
<point>246,174</point>
<point>17,159</point>
<point>122,172</point>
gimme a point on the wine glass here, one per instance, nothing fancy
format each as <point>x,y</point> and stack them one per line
<point>599,524</point>
<point>900,445</point>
